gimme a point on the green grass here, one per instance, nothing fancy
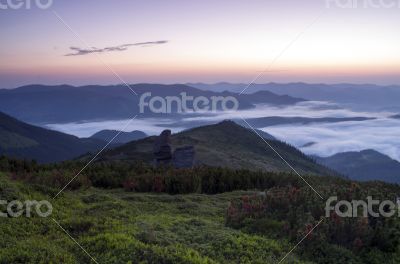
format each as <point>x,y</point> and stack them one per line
<point>120,227</point>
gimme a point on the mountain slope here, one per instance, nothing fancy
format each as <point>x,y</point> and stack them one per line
<point>123,137</point>
<point>22,140</point>
<point>226,144</point>
<point>364,165</point>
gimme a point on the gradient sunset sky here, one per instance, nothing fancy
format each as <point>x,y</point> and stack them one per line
<point>207,41</point>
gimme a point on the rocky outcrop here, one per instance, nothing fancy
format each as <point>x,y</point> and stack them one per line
<point>183,157</point>
<point>162,149</point>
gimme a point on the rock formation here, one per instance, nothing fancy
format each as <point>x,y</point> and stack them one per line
<point>182,157</point>
<point>162,148</point>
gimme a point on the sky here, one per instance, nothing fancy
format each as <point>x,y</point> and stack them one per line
<point>198,41</point>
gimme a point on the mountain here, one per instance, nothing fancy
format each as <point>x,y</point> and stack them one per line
<point>123,137</point>
<point>396,116</point>
<point>365,165</point>
<point>40,104</point>
<point>225,144</point>
<point>21,140</point>
<point>358,96</point>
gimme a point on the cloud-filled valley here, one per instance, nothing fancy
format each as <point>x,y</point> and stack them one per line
<point>319,138</point>
<point>331,138</point>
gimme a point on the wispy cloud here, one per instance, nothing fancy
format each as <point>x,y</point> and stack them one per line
<point>82,51</point>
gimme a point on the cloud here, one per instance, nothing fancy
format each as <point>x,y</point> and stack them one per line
<point>82,51</point>
<point>379,134</point>
<point>148,125</point>
<point>308,109</point>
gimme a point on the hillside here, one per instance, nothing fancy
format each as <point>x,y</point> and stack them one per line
<point>191,216</point>
<point>123,137</point>
<point>365,165</point>
<point>226,144</point>
<point>116,226</point>
<point>19,139</point>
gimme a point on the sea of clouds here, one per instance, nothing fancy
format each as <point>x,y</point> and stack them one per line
<point>150,126</point>
<point>331,138</point>
<point>327,139</point>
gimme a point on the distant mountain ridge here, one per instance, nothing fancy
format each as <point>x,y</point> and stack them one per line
<point>225,144</point>
<point>21,140</point>
<point>41,104</point>
<point>123,137</point>
<point>360,96</point>
<point>365,165</point>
